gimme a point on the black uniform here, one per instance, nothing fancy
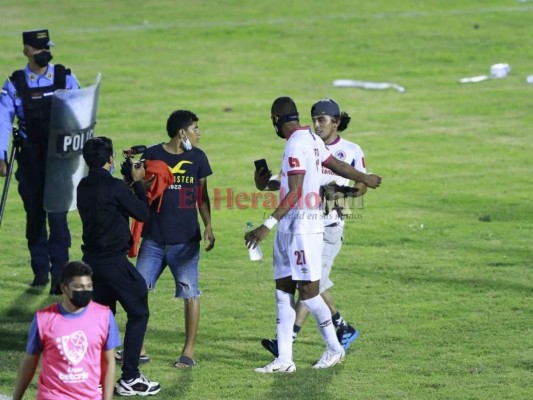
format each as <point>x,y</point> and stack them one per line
<point>105,205</point>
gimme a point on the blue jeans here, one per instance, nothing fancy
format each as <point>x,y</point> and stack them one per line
<point>182,260</point>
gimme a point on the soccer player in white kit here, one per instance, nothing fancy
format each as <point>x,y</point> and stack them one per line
<point>299,238</point>
<point>328,121</point>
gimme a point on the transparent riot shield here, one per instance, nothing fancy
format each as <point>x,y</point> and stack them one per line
<point>72,123</point>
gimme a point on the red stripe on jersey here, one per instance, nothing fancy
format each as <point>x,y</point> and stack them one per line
<point>296,172</point>
<point>327,160</point>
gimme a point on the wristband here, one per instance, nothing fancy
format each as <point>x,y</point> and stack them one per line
<point>270,222</point>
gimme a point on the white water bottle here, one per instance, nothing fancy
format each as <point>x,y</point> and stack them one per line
<point>255,254</point>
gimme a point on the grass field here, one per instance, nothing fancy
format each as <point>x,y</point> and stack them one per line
<point>437,270</point>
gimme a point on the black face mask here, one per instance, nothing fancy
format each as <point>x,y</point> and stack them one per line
<point>43,58</point>
<point>80,298</point>
<point>281,121</point>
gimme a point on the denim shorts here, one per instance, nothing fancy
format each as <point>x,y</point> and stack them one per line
<point>182,260</point>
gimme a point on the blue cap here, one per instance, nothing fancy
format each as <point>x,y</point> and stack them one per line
<point>326,107</point>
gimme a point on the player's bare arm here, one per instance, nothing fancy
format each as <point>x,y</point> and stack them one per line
<point>347,171</point>
<point>289,201</point>
<point>205,214</point>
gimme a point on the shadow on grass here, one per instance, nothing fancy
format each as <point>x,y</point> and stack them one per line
<point>304,384</point>
<point>15,319</point>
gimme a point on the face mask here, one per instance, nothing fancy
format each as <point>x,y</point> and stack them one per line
<point>186,143</point>
<point>278,129</point>
<point>281,121</point>
<point>80,298</point>
<point>113,168</point>
<point>43,58</point>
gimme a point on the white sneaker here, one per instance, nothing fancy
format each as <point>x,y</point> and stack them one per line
<point>138,386</point>
<point>329,359</point>
<point>277,366</point>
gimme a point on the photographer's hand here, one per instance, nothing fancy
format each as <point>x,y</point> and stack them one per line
<point>138,172</point>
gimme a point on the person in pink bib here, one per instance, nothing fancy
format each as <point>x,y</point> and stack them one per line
<point>76,339</point>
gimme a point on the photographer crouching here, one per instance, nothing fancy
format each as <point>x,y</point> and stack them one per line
<point>105,204</point>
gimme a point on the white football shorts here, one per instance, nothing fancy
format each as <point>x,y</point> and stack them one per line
<point>298,255</point>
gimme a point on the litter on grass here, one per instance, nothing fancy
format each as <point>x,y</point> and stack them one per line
<point>368,85</point>
<point>497,71</point>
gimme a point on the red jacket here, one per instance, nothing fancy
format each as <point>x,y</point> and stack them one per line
<point>162,179</point>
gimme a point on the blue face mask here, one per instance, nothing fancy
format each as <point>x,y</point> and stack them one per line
<point>112,169</point>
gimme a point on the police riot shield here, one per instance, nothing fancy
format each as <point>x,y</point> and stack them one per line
<point>72,123</point>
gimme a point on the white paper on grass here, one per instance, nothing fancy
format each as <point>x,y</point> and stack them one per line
<point>367,85</point>
<point>474,79</point>
<point>497,71</point>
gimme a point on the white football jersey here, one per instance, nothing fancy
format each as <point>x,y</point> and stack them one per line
<point>350,153</point>
<point>304,154</point>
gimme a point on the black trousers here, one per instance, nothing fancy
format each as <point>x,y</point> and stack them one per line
<point>115,279</point>
<point>47,248</point>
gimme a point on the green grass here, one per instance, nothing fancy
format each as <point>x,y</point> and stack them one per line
<point>442,298</point>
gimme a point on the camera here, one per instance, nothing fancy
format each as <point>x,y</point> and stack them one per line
<point>127,165</point>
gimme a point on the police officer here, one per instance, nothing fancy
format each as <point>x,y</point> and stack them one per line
<point>27,95</point>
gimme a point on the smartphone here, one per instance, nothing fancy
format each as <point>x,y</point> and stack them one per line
<point>261,164</point>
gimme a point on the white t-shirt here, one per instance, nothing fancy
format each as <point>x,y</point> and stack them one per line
<point>304,154</point>
<point>350,153</point>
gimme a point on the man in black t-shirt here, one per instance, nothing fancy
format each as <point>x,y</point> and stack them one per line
<point>171,237</point>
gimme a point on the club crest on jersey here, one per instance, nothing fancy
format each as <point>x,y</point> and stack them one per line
<point>74,346</point>
<point>340,155</point>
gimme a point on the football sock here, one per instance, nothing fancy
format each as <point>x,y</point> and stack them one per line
<point>295,331</point>
<point>317,306</point>
<point>338,321</point>
<point>286,315</point>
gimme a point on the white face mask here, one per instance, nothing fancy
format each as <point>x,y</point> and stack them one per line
<point>112,169</point>
<point>186,143</point>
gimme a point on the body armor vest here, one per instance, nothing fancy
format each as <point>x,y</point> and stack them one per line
<point>37,104</point>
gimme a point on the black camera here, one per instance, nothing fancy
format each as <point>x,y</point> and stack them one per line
<point>127,165</point>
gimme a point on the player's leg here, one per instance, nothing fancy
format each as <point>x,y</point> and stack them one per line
<point>307,269</point>
<point>346,333</point>
<point>332,245</point>
<point>284,295</point>
<point>285,313</point>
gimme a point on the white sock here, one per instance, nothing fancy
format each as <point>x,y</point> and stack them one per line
<point>317,306</point>
<point>285,319</point>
